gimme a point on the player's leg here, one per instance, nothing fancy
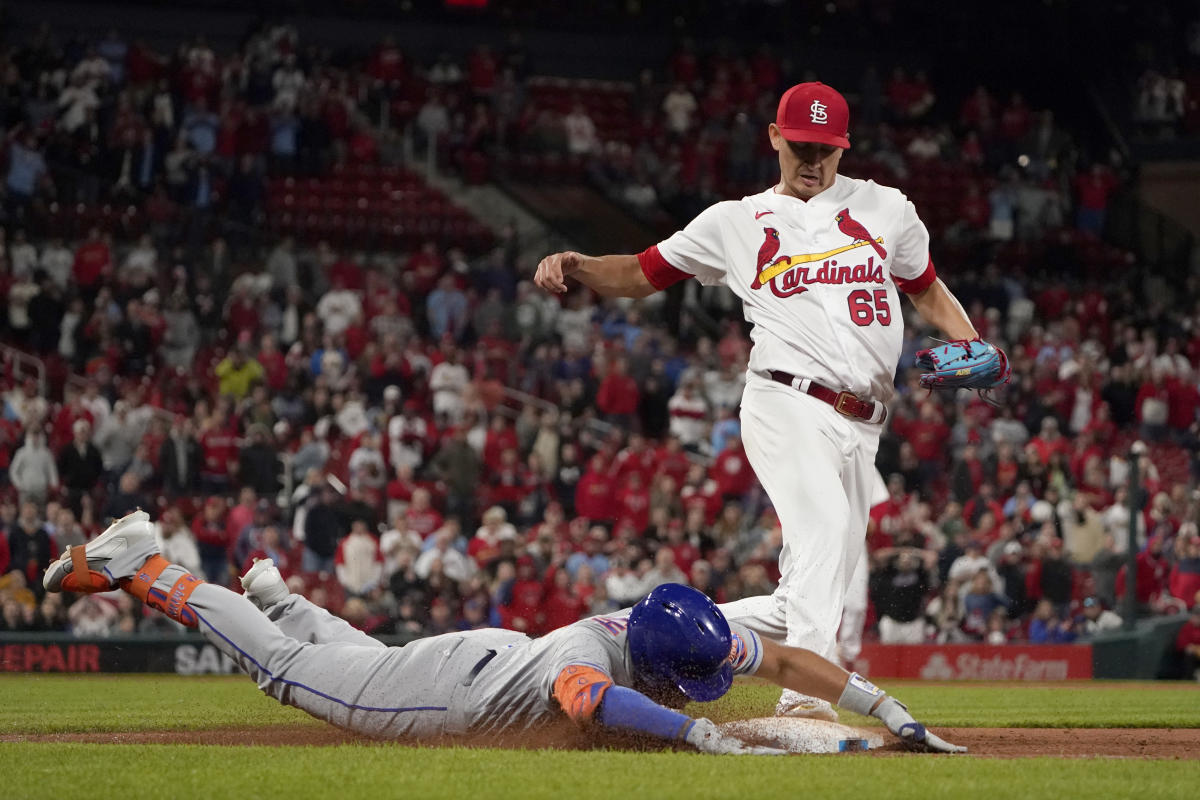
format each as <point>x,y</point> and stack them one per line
<point>301,619</point>
<point>371,689</point>
<point>382,692</point>
<point>864,487</point>
<point>798,453</point>
<point>763,614</point>
<point>854,613</point>
<point>294,614</point>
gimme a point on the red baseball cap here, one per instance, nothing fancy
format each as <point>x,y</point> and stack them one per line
<point>814,112</point>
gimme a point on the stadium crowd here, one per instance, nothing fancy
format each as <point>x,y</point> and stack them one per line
<point>423,443</point>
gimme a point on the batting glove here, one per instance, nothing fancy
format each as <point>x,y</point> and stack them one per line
<point>706,737</point>
<point>895,715</point>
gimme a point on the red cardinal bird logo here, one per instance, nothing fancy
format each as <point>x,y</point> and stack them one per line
<point>766,253</point>
<point>856,231</point>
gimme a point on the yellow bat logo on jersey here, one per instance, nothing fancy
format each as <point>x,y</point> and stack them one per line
<point>782,265</point>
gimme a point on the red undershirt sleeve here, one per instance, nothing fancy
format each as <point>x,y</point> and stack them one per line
<point>656,269</point>
<point>911,285</point>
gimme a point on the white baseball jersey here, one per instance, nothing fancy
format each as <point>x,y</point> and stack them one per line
<point>817,278</point>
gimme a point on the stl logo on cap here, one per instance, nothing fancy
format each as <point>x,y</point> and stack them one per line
<point>814,112</point>
<point>818,115</point>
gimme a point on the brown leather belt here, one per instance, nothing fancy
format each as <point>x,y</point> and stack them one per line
<point>845,403</point>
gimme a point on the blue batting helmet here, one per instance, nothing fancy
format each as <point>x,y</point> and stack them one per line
<point>678,637</point>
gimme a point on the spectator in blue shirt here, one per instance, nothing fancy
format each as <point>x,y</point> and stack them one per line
<point>201,127</point>
<point>446,309</point>
<point>978,604</point>
<point>285,134</point>
<point>25,168</point>
<point>592,553</point>
<point>1047,628</point>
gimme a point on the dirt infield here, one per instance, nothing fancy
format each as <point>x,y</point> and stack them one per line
<point>1169,743</point>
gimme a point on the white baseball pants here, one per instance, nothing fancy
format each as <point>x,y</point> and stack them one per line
<point>818,468</point>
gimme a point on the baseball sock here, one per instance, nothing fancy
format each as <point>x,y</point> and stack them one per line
<point>165,587</point>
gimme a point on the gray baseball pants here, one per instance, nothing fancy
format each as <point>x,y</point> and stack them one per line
<point>303,656</point>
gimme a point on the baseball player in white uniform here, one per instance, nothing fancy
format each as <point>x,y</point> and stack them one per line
<point>607,672</point>
<point>818,261</point>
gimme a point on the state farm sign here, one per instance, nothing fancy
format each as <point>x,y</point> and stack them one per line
<point>967,662</point>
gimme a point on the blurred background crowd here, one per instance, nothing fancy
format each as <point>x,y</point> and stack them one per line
<point>235,296</point>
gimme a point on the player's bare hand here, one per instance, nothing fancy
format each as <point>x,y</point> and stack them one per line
<point>706,737</point>
<point>912,734</point>
<point>553,269</point>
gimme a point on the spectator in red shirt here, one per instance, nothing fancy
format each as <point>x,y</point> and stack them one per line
<point>1184,581</point>
<point>1101,427</point>
<point>982,502</point>
<point>219,450</point>
<point>241,515</point>
<point>594,492</point>
<point>511,482</point>
<point>904,96</point>
<point>243,312</point>
<point>979,110</point>
<point>520,603</point>
<point>928,435</point>
<point>700,491</point>
<point>672,460</point>
<point>1187,645</point>
<point>617,397</point>
<point>481,71</point>
<point>423,269</point>
<point>387,62</point>
<point>346,273</point>
<point>686,553</point>
<point>487,544</point>
<point>212,540</point>
<point>637,457</point>
<point>1084,451</point>
<point>1092,192</point>
<point>1049,441</point>
<point>1183,400</point>
<point>275,371</point>
<point>422,518</point>
<point>560,606</point>
<point>886,519</point>
<point>399,490</point>
<point>1004,468</point>
<point>93,262</point>
<point>633,501</point>
<point>500,437</point>
<point>1015,119</point>
<point>1151,575</point>
<point>731,470</point>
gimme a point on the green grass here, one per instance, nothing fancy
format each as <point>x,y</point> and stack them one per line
<point>1075,704</point>
<point>79,703</point>
<point>58,770</point>
<point>32,704</point>
<point>73,703</point>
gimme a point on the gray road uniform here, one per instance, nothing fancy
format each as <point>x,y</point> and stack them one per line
<point>458,683</point>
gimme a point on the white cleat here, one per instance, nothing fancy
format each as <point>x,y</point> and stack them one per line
<point>114,555</point>
<point>794,704</point>
<point>263,584</point>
